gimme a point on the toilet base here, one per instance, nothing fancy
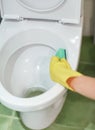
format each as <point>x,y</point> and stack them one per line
<point>43,118</point>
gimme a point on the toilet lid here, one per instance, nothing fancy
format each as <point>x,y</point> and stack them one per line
<point>41,5</point>
<point>66,11</point>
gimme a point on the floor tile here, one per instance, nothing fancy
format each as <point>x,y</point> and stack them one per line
<point>78,111</point>
<point>62,127</point>
<point>90,126</point>
<point>16,114</point>
<point>17,125</point>
<point>4,123</point>
<point>87,69</point>
<point>4,110</point>
<point>87,50</point>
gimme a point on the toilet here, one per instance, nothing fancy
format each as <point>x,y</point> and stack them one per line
<point>30,34</point>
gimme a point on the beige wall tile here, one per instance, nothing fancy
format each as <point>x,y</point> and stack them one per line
<point>89,17</point>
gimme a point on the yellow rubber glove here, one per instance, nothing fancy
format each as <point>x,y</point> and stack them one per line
<point>61,71</point>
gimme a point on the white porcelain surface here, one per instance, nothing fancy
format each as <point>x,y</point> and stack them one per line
<point>13,78</point>
<point>15,36</point>
<point>41,5</point>
<point>67,11</point>
<point>54,35</point>
<point>30,70</point>
<point>43,118</point>
<point>25,51</point>
<point>21,36</point>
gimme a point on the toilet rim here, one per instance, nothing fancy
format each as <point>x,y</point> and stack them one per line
<point>34,103</point>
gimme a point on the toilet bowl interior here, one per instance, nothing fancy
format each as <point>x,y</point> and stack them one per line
<point>25,65</point>
<point>41,41</point>
<point>27,70</point>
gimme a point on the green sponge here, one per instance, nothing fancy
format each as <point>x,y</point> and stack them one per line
<point>61,53</point>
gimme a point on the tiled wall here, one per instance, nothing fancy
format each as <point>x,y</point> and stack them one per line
<point>0,6</point>
<point>89,17</point>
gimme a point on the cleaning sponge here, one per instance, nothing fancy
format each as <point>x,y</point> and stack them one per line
<point>61,53</point>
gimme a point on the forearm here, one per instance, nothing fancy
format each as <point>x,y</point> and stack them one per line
<point>83,85</point>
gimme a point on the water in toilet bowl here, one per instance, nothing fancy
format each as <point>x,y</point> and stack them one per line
<point>34,91</point>
<point>27,70</point>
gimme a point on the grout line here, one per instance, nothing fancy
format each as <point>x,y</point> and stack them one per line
<point>10,117</point>
<point>69,126</point>
<point>88,63</point>
<point>11,120</point>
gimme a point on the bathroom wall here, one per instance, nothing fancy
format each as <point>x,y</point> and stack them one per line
<point>0,14</point>
<point>0,10</point>
<point>89,17</point>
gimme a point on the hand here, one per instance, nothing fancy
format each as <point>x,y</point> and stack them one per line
<point>61,71</point>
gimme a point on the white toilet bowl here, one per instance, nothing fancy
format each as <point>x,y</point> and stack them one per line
<point>30,34</point>
<point>19,56</point>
